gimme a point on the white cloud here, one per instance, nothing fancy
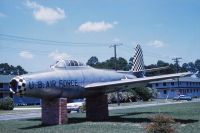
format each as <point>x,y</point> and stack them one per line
<point>56,55</point>
<point>26,55</point>
<point>2,14</point>
<point>46,14</point>
<point>96,26</point>
<point>157,44</point>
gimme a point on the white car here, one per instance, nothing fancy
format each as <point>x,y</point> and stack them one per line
<point>75,105</point>
<point>183,97</point>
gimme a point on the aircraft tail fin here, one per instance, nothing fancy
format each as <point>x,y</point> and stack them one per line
<point>138,62</point>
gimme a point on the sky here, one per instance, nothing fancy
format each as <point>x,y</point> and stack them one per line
<point>36,33</point>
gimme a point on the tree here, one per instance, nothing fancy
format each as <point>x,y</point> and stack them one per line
<point>172,68</point>
<point>169,70</point>
<point>130,64</point>
<point>143,92</point>
<point>131,60</point>
<point>110,64</point>
<point>191,67</point>
<point>185,67</point>
<point>161,63</point>
<point>122,64</point>
<point>93,61</point>
<point>6,69</point>
<point>197,64</point>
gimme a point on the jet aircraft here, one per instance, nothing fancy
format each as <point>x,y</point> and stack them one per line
<point>72,79</point>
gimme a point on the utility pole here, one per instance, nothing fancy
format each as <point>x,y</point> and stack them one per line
<point>115,53</point>
<point>176,60</point>
<point>115,56</point>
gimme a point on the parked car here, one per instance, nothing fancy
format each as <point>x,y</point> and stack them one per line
<point>183,97</point>
<point>75,105</point>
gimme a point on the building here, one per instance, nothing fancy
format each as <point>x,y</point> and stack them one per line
<point>5,91</point>
<point>173,87</point>
<point>4,85</point>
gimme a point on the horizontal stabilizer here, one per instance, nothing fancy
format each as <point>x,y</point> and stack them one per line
<point>156,69</point>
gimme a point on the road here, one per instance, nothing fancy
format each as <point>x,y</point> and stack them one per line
<point>24,113</point>
<point>150,104</point>
<point>20,114</point>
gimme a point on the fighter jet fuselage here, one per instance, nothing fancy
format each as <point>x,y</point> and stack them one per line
<point>67,82</point>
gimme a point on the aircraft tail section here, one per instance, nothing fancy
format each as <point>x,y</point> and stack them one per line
<point>138,62</point>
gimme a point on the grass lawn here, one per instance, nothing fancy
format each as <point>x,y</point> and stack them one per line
<point>187,117</point>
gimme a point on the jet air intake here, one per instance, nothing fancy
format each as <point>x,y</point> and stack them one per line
<point>18,86</point>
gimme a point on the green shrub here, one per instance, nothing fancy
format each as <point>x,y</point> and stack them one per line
<point>83,108</point>
<point>7,103</point>
<point>144,93</point>
<point>161,124</point>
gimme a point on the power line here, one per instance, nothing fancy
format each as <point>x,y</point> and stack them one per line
<point>48,42</point>
<point>29,40</point>
<point>38,52</point>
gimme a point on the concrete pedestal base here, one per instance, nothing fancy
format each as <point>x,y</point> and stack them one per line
<point>97,108</point>
<point>54,112</point>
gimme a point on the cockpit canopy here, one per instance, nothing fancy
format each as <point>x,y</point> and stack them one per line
<point>63,64</point>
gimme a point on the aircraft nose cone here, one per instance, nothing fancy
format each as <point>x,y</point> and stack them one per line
<point>18,85</point>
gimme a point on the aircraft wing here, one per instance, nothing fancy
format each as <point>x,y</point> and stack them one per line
<point>129,83</point>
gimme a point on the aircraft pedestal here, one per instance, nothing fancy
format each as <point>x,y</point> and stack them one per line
<point>54,111</point>
<point>97,107</point>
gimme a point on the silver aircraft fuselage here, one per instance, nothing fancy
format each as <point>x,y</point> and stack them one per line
<point>69,82</point>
